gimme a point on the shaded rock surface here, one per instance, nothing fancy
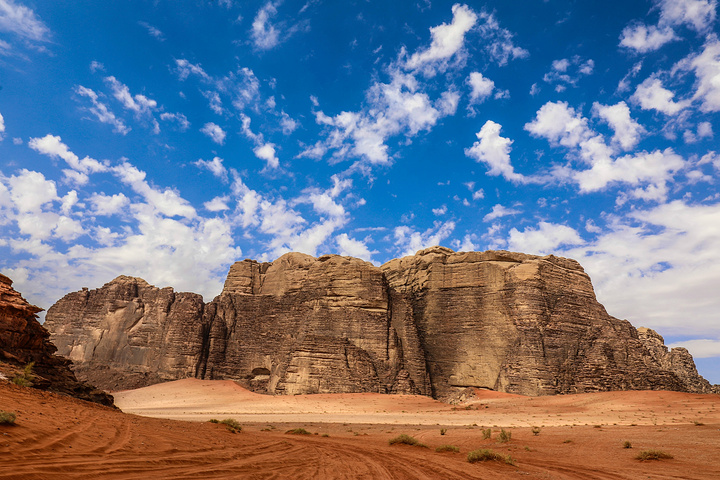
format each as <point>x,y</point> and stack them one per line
<point>23,341</point>
<point>435,323</point>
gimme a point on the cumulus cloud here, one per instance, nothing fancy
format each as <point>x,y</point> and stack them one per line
<point>447,40</point>
<point>707,70</point>
<point>480,87</point>
<point>544,239</point>
<point>215,166</point>
<point>696,14</point>
<point>2,127</point>
<point>267,152</point>
<point>178,118</point>
<point>651,95</point>
<point>353,248</point>
<point>494,151</point>
<point>101,111</point>
<point>214,132</point>
<point>108,204</point>
<point>408,240</point>
<point>142,106</point>
<point>627,132</point>
<point>568,71</point>
<point>643,38</point>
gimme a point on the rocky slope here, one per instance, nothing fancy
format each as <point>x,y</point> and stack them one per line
<point>434,323</point>
<point>23,341</point>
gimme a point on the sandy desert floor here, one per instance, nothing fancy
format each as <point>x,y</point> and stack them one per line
<point>581,436</point>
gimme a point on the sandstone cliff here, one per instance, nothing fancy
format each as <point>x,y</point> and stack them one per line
<point>434,324</point>
<point>23,341</point>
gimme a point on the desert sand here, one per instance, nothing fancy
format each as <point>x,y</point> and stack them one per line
<point>581,436</point>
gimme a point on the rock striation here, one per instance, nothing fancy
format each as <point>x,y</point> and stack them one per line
<point>434,324</point>
<point>23,341</point>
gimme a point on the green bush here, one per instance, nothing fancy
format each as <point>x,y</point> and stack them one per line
<point>7,418</point>
<point>487,433</point>
<point>232,425</point>
<point>536,431</point>
<point>484,455</point>
<point>504,436</point>
<point>407,440</point>
<point>443,431</point>
<point>298,431</point>
<point>447,448</point>
<point>627,444</point>
<point>26,378</point>
<point>652,455</point>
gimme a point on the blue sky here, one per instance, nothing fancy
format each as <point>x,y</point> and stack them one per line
<point>167,140</point>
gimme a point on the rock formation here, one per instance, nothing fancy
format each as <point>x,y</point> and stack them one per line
<point>23,341</point>
<point>434,324</point>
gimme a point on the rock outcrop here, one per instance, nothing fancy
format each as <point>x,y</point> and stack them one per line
<point>434,324</point>
<point>24,341</point>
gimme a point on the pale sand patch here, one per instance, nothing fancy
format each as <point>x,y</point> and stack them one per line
<point>200,400</point>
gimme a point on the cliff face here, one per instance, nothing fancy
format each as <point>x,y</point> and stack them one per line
<point>23,340</point>
<point>434,324</point>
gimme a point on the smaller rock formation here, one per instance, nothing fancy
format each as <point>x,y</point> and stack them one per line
<point>677,360</point>
<point>23,341</point>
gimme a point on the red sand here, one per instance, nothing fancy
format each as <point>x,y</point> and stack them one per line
<point>57,437</point>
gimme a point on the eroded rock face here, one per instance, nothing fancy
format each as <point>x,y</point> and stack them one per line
<point>434,324</point>
<point>23,341</point>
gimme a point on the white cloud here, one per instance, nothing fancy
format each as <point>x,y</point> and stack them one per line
<point>353,248</point>
<point>707,70</point>
<point>53,147</point>
<point>185,69</point>
<point>22,21</point>
<point>215,166</point>
<point>627,131</point>
<point>30,191</point>
<point>264,34</point>
<point>408,240</point>
<point>704,130</point>
<point>180,119</point>
<point>109,204</point>
<point>651,95</point>
<point>440,211</point>
<point>655,168</point>
<point>696,14</point>
<point>494,151</point>
<point>2,127</point>
<point>481,87</point>
<point>643,39</point>
<point>215,133</point>
<point>700,348</point>
<point>545,239</point>
<point>560,124</point>
<point>96,66</point>
<point>498,41</point>
<point>140,104</point>
<point>217,204</point>
<point>154,31</point>
<point>167,202</point>
<point>101,111</point>
<point>215,101</point>
<point>447,40</point>
<point>499,211</point>
<point>267,152</point>
<point>567,72</point>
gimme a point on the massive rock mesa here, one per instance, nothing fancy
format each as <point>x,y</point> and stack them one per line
<point>434,323</point>
<point>23,341</point>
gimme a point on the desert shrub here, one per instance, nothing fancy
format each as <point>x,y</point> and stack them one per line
<point>325,435</point>
<point>487,433</point>
<point>26,378</point>
<point>298,431</point>
<point>232,425</point>
<point>503,436</point>
<point>652,455</point>
<point>7,418</point>
<point>567,441</point>
<point>627,444</point>
<point>447,448</point>
<point>443,431</point>
<point>536,431</point>
<point>484,455</point>
<point>405,439</point>
<point>214,420</point>
<point>698,423</point>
